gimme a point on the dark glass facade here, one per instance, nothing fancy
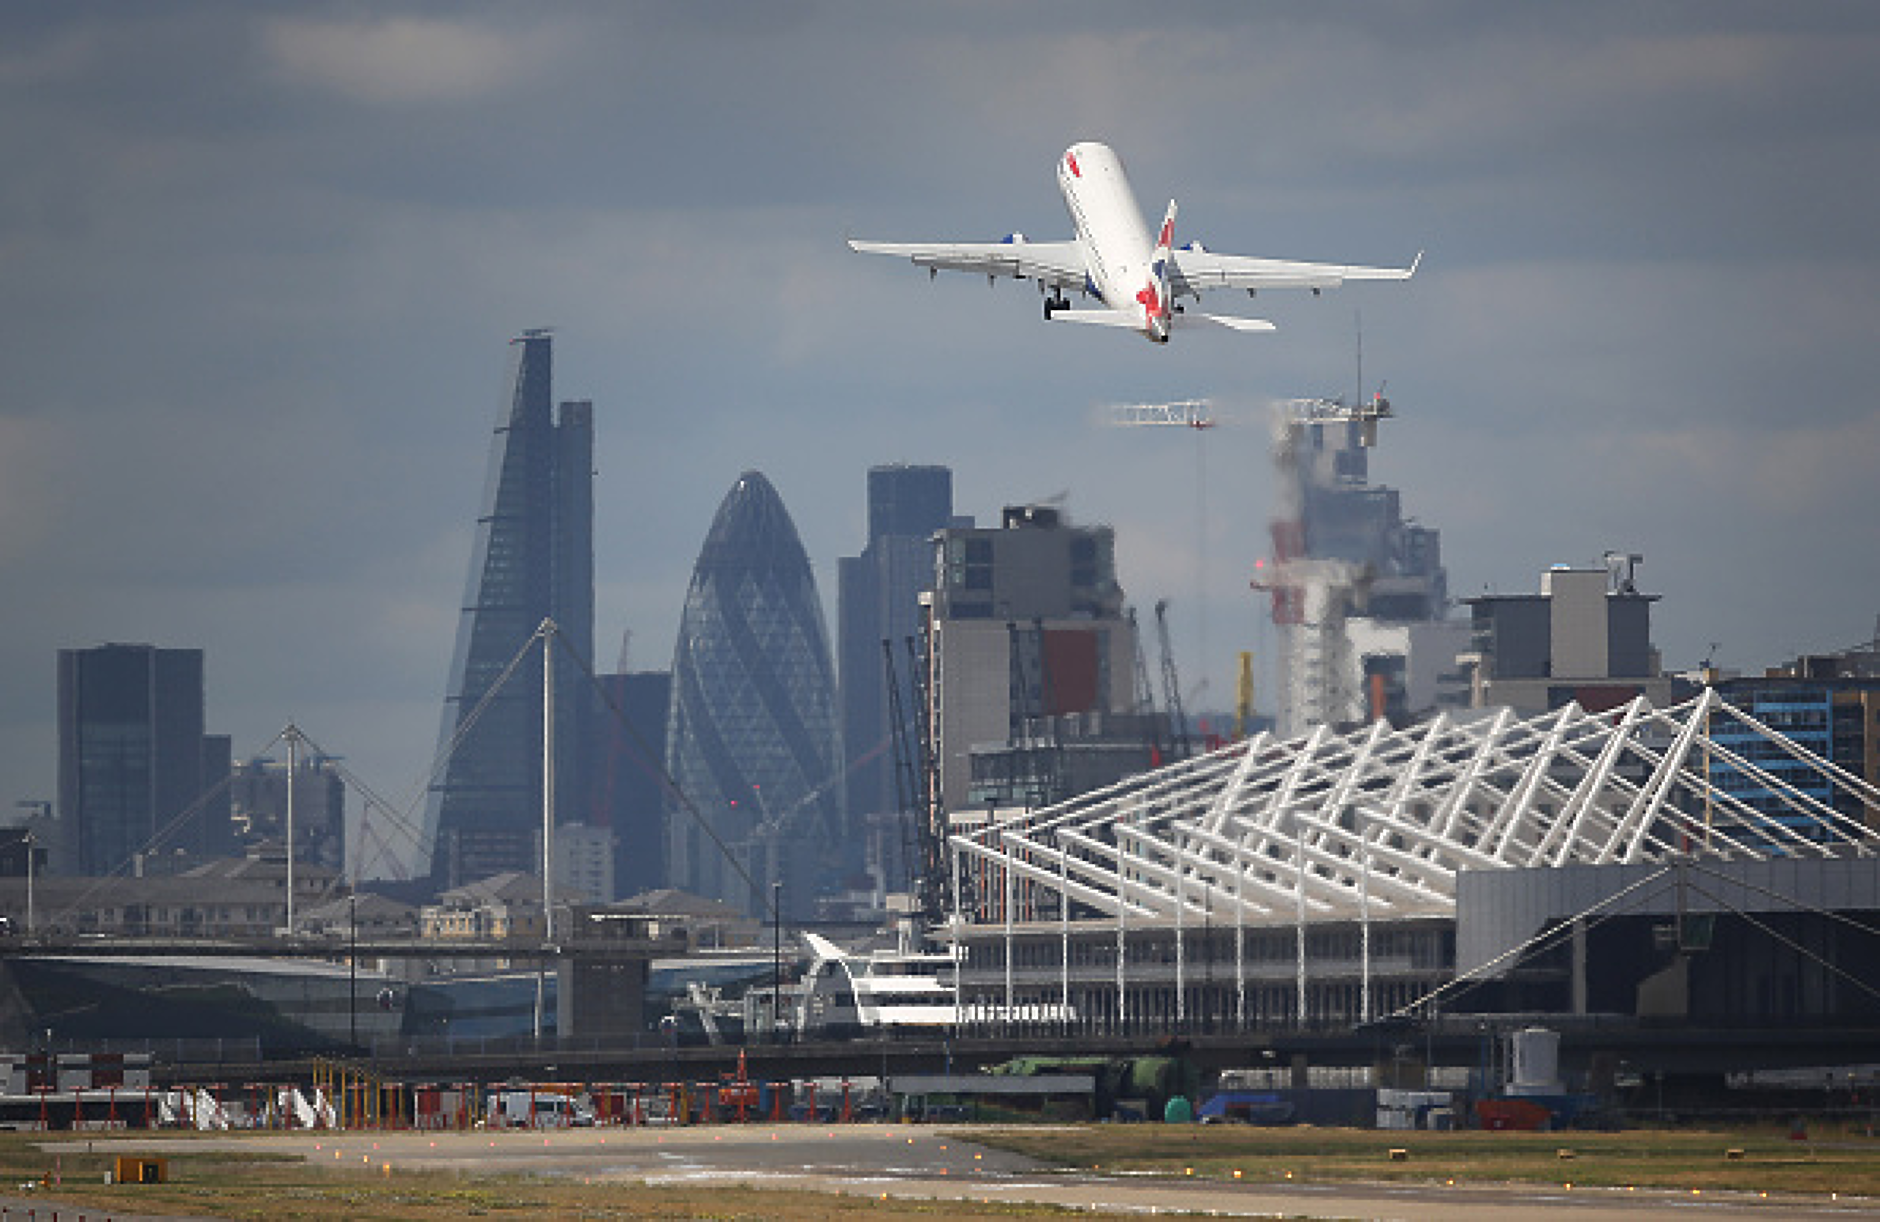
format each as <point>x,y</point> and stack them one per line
<point>534,560</point>
<point>879,600</point>
<point>629,776</point>
<point>137,776</point>
<point>751,738</point>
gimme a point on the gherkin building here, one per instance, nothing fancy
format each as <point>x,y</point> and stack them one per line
<point>751,738</point>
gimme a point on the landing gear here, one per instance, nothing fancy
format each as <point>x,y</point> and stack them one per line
<point>1055,303</point>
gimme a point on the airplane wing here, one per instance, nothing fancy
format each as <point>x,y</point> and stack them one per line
<point>1055,263</point>
<point>1219,322</point>
<point>1197,270</point>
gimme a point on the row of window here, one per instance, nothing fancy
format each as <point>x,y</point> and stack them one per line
<point>1424,949</point>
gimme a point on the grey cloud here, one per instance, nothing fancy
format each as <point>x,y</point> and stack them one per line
<point>255,298</point>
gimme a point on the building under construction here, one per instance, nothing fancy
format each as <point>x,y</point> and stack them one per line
<point>1359,595</point>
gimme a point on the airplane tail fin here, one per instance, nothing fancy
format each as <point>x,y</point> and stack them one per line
<point>1163,241</point>
<point>1155,298</point>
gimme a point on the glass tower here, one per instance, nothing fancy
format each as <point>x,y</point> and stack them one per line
<point>136,771</point>
<point>534,560</point>
<point>751,737</point>
<point>879,599</point>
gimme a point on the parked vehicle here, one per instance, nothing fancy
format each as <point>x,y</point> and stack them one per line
<point>521,1109</point>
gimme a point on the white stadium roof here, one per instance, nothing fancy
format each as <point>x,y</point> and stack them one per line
<point>1376,823</point>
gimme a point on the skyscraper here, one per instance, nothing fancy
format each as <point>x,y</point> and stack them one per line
<point>751,738</point>
<point>534,560</point>
<point>137,775</point>
<point>629,774</point>
<point>879,599</point>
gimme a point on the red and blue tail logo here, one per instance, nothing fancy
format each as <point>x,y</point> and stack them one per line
<point>1154,296</point>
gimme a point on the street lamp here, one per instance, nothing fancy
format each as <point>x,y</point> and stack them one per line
<point>29,882</point>
<point>43,809</point>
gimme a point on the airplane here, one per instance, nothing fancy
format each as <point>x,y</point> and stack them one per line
<point>1139,281</point>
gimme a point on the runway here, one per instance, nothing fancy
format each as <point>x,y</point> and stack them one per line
<point>932,1163</point>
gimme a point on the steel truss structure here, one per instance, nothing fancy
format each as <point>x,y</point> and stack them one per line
<point>1375,824</point>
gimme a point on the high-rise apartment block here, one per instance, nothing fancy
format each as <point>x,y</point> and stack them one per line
<point>138,778</point>
<point>533,562</point>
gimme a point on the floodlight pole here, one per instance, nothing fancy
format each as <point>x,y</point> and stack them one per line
<point>292,734</point>
<point>547,632</point>
<point>776,960</point>
<point>548,780</point>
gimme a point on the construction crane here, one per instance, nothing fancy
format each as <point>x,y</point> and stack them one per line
<point>1243,696</point>
<point>1171,684</point>
<point>1145,693</point>
<point>906,785</point>
<point>930,833</point>
<point>1197,415</point>
<point>1184,413</point>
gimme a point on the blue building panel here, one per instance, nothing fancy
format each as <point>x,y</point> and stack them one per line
<point>1770,779</point>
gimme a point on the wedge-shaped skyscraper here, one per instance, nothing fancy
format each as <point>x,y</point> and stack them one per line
<point>751,739</point>
<point>534,561</point>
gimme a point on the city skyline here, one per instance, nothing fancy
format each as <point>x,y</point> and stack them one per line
<point>248,328</point>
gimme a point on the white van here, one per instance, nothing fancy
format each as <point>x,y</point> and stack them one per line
<point>518,1109</point>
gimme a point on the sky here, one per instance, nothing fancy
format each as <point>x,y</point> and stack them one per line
<point>259,265</point>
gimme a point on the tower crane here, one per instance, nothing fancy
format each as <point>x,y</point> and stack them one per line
<point>1145,693</point>
<point>1171,685</point>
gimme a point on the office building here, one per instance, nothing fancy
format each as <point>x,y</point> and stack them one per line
<point>1826,706</point>
<point>1025,643</point>
<point>258,798</point>
<point>879,601</point>
<point>533,561</point>
<point>138,779</point>
<point>629,776</point>
<point>584,862</point>
<point>752,740</point>
<point>1585,638</point>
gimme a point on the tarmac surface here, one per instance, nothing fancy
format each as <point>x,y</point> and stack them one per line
<point>932,1163</point>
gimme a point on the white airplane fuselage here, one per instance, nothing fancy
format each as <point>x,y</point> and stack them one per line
<point>1111,231</point>
<point>1136,273</point>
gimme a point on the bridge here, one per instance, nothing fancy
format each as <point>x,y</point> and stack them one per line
<point>602,950</point>
<point>1681,1062</point>
<point>600,982</point>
